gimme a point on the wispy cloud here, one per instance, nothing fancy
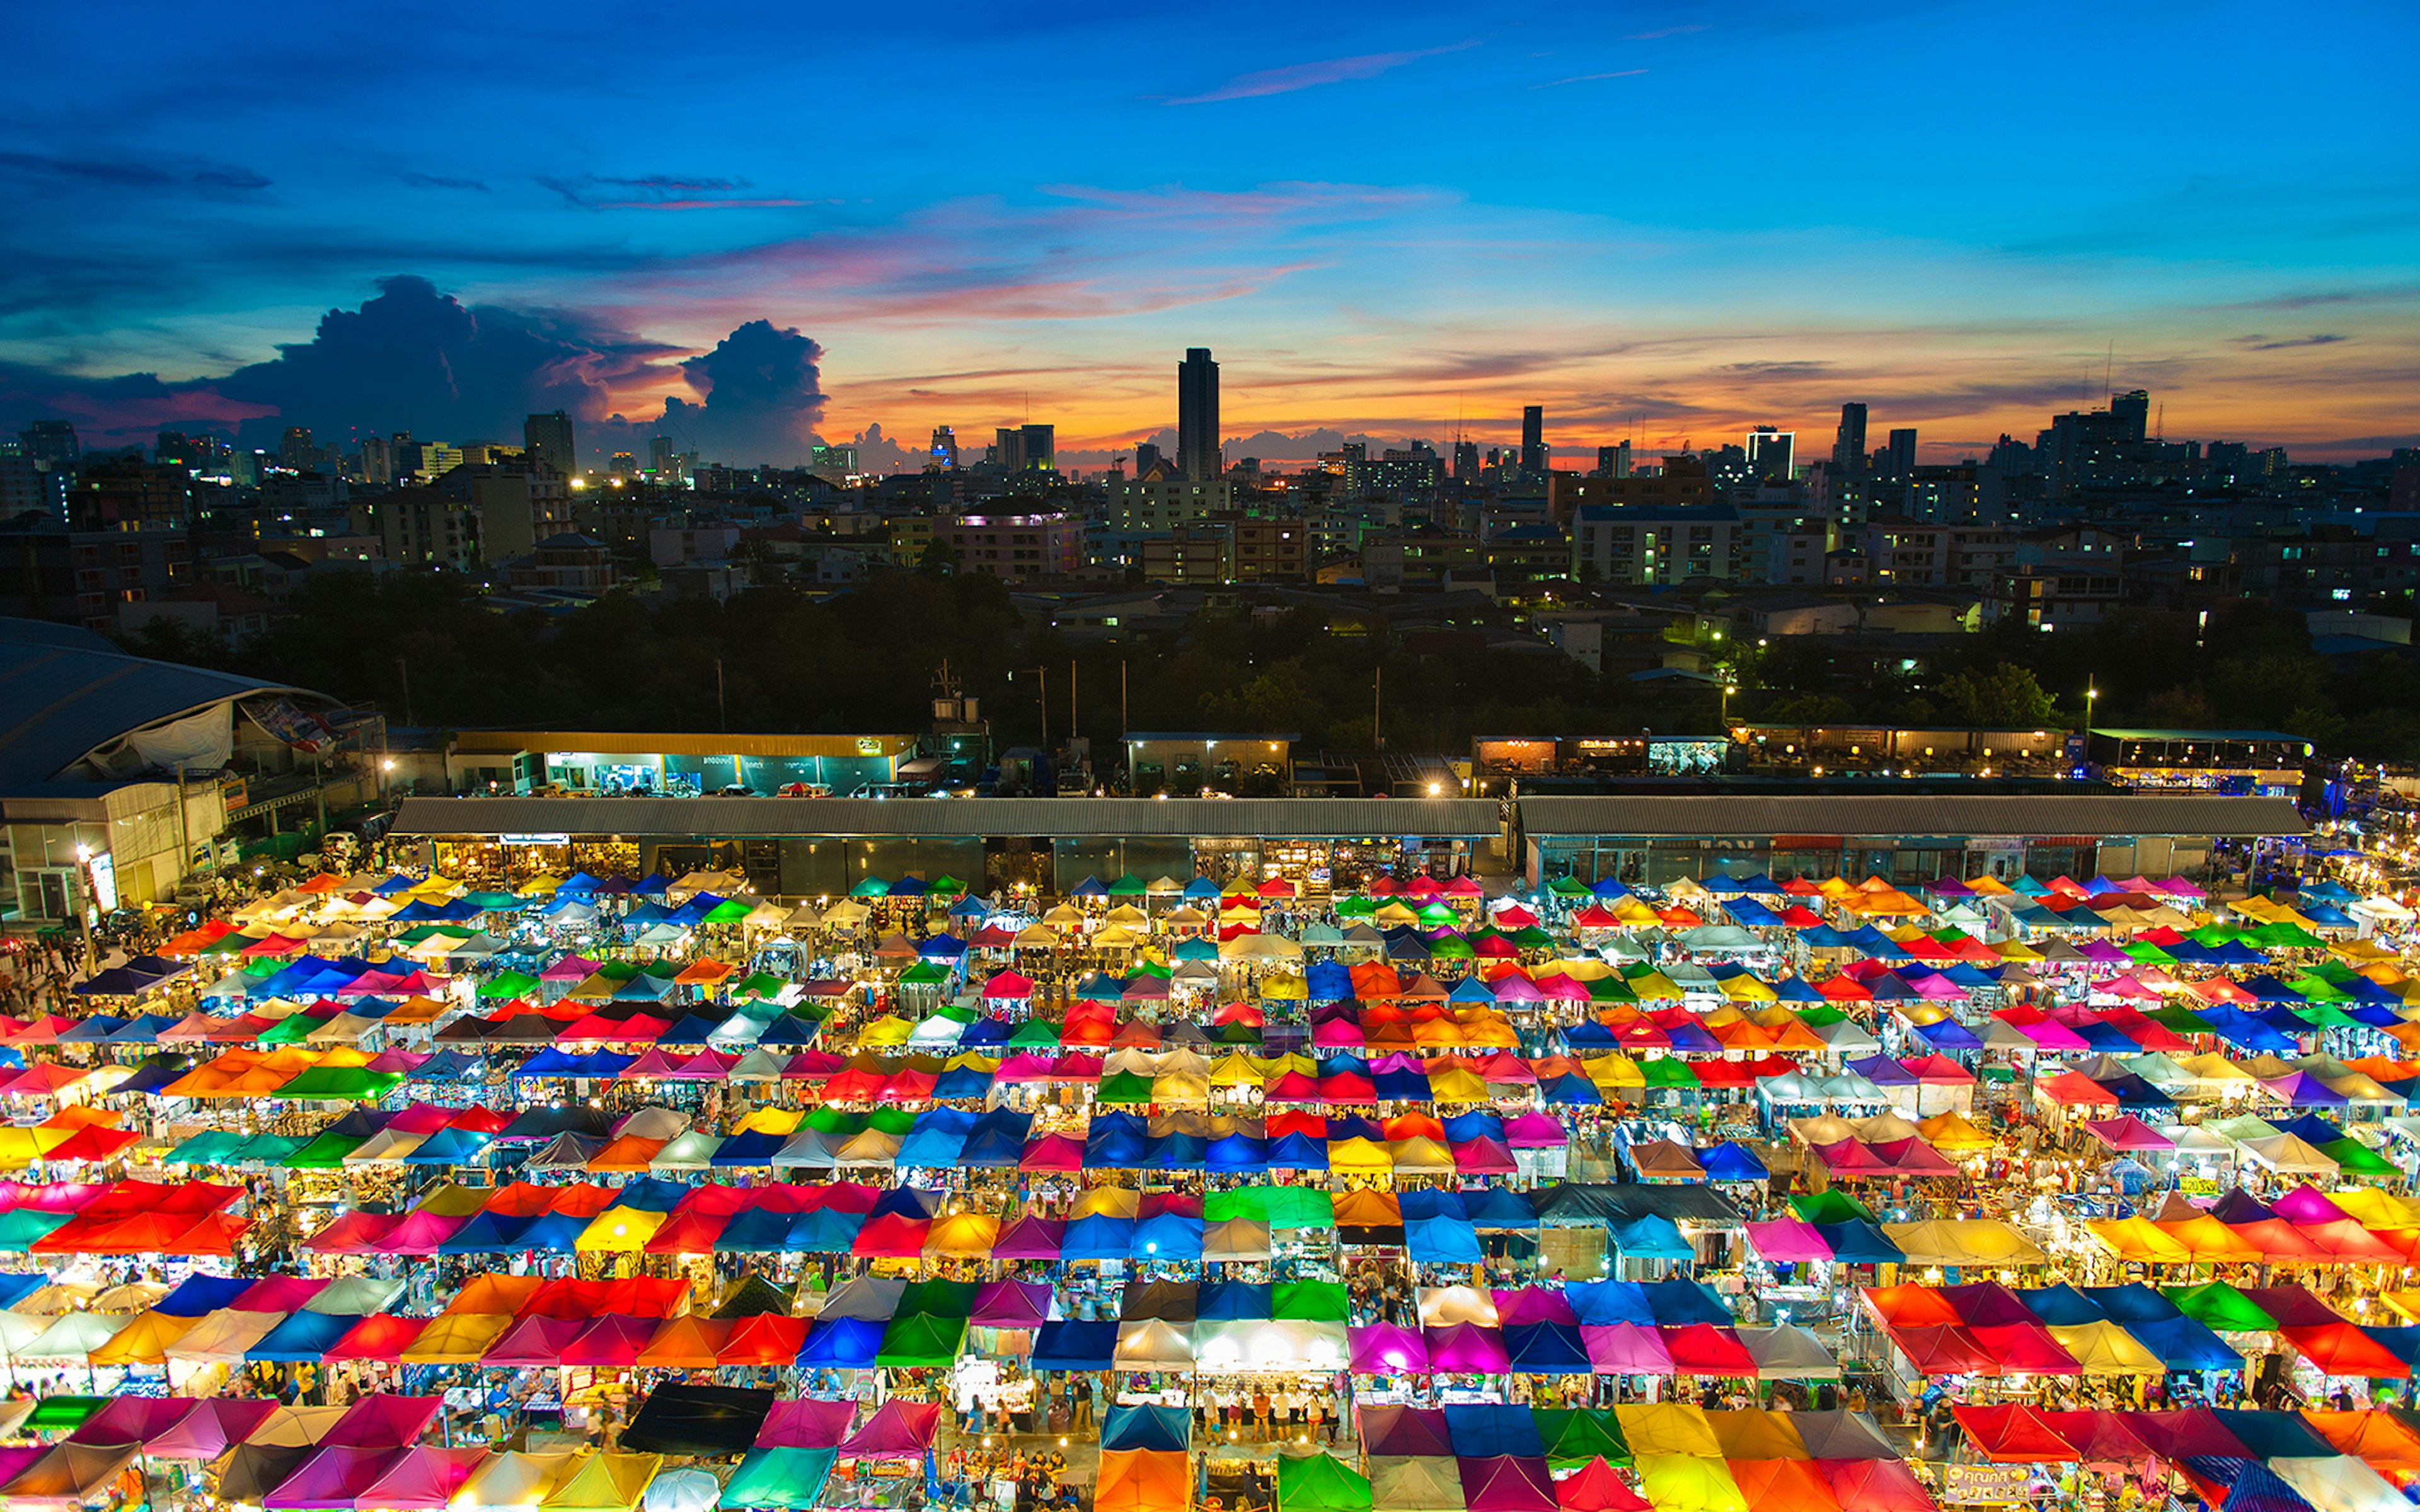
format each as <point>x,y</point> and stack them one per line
<point>1659,35</point>
<point>661,192</point>
<point>1293,76</point>
<point>1589,78</point>
<point>432,181</point>
<point>2264,344</point>
<point>162,172</point>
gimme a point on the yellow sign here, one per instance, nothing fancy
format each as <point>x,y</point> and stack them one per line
<point>869,744</point>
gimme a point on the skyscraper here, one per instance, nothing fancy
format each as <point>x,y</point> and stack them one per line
<point>1898,456</point>
<point>1849,444</point>
<point>548,440</point>
<point>52,444</point>
<point>1038,448</point>
<point>1771,454</point>
<point>945,448</point>
<point>1197,417</point>
<point>1466,461</point>
<point>1534,438</point>
<point>2132,411</point>
<point>1613,461</point>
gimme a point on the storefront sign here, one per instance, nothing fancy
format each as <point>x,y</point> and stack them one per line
<point>1988,1485</point>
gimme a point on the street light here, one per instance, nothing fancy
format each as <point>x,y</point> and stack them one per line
<point>1729,689</point>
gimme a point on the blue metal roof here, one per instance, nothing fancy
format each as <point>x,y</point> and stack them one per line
<point>70,691</point>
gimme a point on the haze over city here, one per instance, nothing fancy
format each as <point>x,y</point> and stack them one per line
<point>1662,223</point>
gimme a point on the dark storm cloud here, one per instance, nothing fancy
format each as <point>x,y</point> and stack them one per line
<point>413,358</point>
<point>763,397</point>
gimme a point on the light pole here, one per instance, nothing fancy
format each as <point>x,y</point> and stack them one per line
<point>85,903</point>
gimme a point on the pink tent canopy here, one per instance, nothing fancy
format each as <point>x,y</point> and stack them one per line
<point>1789,1239</point>
<point>1625,1349</point>
<point>1532,1305</point>
<point>424,1478</point>
<point>135,1420</point>
<point>1030,1239</point>
<point>217,1425</point>
<point>279,1294</point>
<point>333,1478</point>
<point>1536,1130</point>
<point>533,1342</point>
<point>1598,1487</point>
<point>384,1421</point>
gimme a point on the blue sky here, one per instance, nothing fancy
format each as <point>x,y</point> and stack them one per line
<point>1661,220</point>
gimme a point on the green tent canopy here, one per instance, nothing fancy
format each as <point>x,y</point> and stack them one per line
<point>1124,1088</point>
<point>215,1146</point>
<point>2220,1307</point>
<point>1310,1302</point>
<point>1830,1207</point>
<point>341,1083</point>
<point>1576,1435</point>
<point>325,1153</point>
<point>922,1340</point>
<point>780,1480</point>
<point>22,1228</point>
<point>2357,1159</point>
<point>1034,1034</point>
<point>763,984</point>
<point>871,887</point>
<point>1128,885</point>
<point>508,985</point>
<point>1320,1482</point>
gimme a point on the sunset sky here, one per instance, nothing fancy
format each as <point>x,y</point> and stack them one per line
<point>1665,220</point>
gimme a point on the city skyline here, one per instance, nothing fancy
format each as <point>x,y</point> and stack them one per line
<point>1403,224</point>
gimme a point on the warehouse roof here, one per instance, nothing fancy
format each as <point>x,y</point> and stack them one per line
<point>1301,818</point>
<point>69,692</point>
<point>1913,813</point>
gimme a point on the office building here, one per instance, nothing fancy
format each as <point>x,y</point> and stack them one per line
<point>1040,448</point>
<point>1849,441</point>
<point>547,438</point>
<point>1466,461</point>
<point>1772,455</point>
<point>1613,461</point>
<point>52,444</point>
<point>1647,545</point>
<point>1534,438</point>
<point>1896,459</point>
<point>1197,416</point>
<point>1685,480</point>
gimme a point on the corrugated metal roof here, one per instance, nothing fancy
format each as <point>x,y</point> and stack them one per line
<point>605,743</point>
<point>1308,818</point>
<point>67,695</point>
<point>1914,813</point>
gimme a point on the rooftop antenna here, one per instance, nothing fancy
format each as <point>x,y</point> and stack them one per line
<point>2160,427</point>
<point>2108,371</point>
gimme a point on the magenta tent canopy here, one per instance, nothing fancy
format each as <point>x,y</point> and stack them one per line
<point>333,1478</point>
<point>1507,1483</point>
<point>896,1430</point>
<point>1535,1130</point>
<point>1010,1304</point>
<point>423,1480</point>
<point>384,1421</point>
<point>1471,1347</point>
<point>1789,1239</point>
<point>2129,1132</point>
<point>806,1423</point>
<point>1030,1239</point>
<point>1386,1350</point>
<point>279,1294</point>
<point>135,1420</point>
<point>2307,1205</point>
<point>1625,1349</point>
<point>534,1343</point>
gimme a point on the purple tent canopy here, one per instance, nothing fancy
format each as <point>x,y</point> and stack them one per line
<point>897,1430</point>
<point>1468,1348</point>
<point>1387,1348</point>
<point>1625,1349</point>
<point>1507,1483</point>
<point>1533,1304</point>
<point>1006,1305</point>
<point>1404,1431</point>
<point>1883,1072</point>
<point>806,1423</point>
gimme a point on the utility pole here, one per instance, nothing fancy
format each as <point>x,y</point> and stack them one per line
<point>1071,725</point>
<point>722,711</point>
<point>1377,706</point>
<point>403,669</point>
